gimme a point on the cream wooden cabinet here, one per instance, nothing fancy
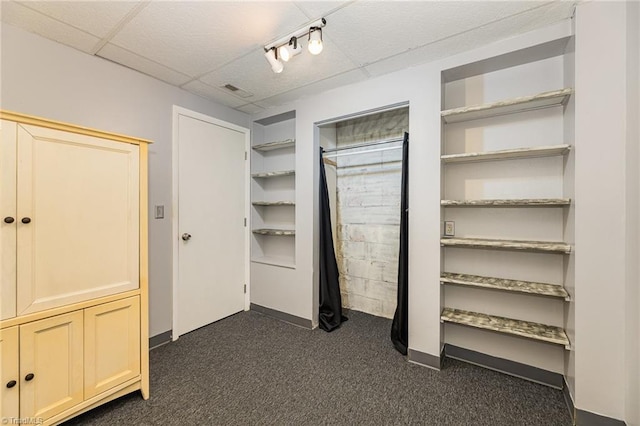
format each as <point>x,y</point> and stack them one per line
<point>73,252</point>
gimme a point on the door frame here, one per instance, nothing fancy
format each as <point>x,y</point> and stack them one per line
<point>175,202</point>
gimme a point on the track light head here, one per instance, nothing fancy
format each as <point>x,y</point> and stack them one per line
<point>272,58</point>
<point>315,40</point>
<point>289,50</point>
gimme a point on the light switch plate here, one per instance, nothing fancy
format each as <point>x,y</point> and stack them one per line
<point>159,212</point>
<point>449,228</point>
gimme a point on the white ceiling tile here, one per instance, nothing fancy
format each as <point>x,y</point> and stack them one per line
<point>371,30</point>
<point>508,27</point>
<point>198,37</point>
<point>35,22</point>
<point>131,60</point>
<point>318,9</point>
<point>95,17</point>
<point>253,73</point>
<point>213,93</point>
<point>250,108</point>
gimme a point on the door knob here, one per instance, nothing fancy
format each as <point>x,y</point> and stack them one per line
<point>26,220</point>
<point>186,237</point>
<point>11,384</point>
<point>29,377</point>
<point>9,219</point>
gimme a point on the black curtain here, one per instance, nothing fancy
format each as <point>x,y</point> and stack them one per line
<point>330,315</point>
<point>400,324</point>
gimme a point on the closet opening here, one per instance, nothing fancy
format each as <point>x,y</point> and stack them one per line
<point>363,166</point>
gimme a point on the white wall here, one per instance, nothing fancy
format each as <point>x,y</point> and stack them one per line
<point>605,250</point>
<point>46,79</point>
<point>632,365</point>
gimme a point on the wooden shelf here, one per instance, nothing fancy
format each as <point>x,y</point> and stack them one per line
<point>529,202</point>
<point>517,245</point>
<point>275,261</point>
<point>270,146</point>
<point>275,232</point>
<point>273,174</point>
<point>507,154</point>
<point>274,203</point>
<point>540,289</point>
<point>508,106</point>
<point>531,330</point>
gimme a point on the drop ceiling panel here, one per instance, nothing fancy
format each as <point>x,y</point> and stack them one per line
<point>198,37</point>
<point>253,73</point>
<point>213,93</point>
<point>144,65</point>
<point>508,27</point>
<point>36,22</point>
<point>94,17</point>
<point>250,108</point>
<point>318,9</point>
<point>370,31</point>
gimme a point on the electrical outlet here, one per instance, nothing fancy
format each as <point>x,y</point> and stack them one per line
<point>449,228</point>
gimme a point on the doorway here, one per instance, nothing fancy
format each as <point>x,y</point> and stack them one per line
<point>210,237</point>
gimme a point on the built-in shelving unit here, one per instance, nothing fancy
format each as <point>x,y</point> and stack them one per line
<point>530,330</point>
<point>266,175</point>
<point>503,284</point>
<point>507,154</point>
<point>521,202</point>
<point>519,245</point>
<point>505,209</point>
<point>275,232</point>
<point>273,203</point>
<point>508,106</point>
<point>270,146</point>
<point>273,193</point>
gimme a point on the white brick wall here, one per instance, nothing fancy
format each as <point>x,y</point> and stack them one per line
<point>368,231</point>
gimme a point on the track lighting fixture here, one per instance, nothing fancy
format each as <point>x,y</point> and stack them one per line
<point>315,40</point>
<point>289,46</point>
<point>272,57</point>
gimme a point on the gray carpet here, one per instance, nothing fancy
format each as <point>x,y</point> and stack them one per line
<point>250,369</point>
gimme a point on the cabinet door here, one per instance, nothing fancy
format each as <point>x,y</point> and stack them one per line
<point>7,212</point>
<point>112,345</point>
<point>81,196</point>
<point>9,374</point>
<point>51,365</point>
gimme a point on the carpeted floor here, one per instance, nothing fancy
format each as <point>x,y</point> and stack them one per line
<point>250,369</point>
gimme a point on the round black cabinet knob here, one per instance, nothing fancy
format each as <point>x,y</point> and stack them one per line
<point>26,220</point>
<point>29,377</point>
<point>11,384</point>
<point>9,219</point>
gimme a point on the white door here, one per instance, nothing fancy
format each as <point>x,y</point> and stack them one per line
<point>211,212</point>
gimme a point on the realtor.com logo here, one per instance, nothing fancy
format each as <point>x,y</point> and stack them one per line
<point>22,420</point>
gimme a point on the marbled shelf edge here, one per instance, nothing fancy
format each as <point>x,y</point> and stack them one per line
<point>530,287</point>
<point>274,174</point>
<point>274,203</point>
<point>535,246</point>
<point>276,232</point>
<point>507,106</point>
<point>532,330</point>
<point>506,154</point>
<point>520,202</point>
<point>275,145</point>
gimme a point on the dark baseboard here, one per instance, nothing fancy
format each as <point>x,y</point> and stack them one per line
<point>282,316</point>
<point>568,400</point>
<point>586,418</point>
<point>160,339</point>
<point>534,374</point>
<point>424,359</point>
